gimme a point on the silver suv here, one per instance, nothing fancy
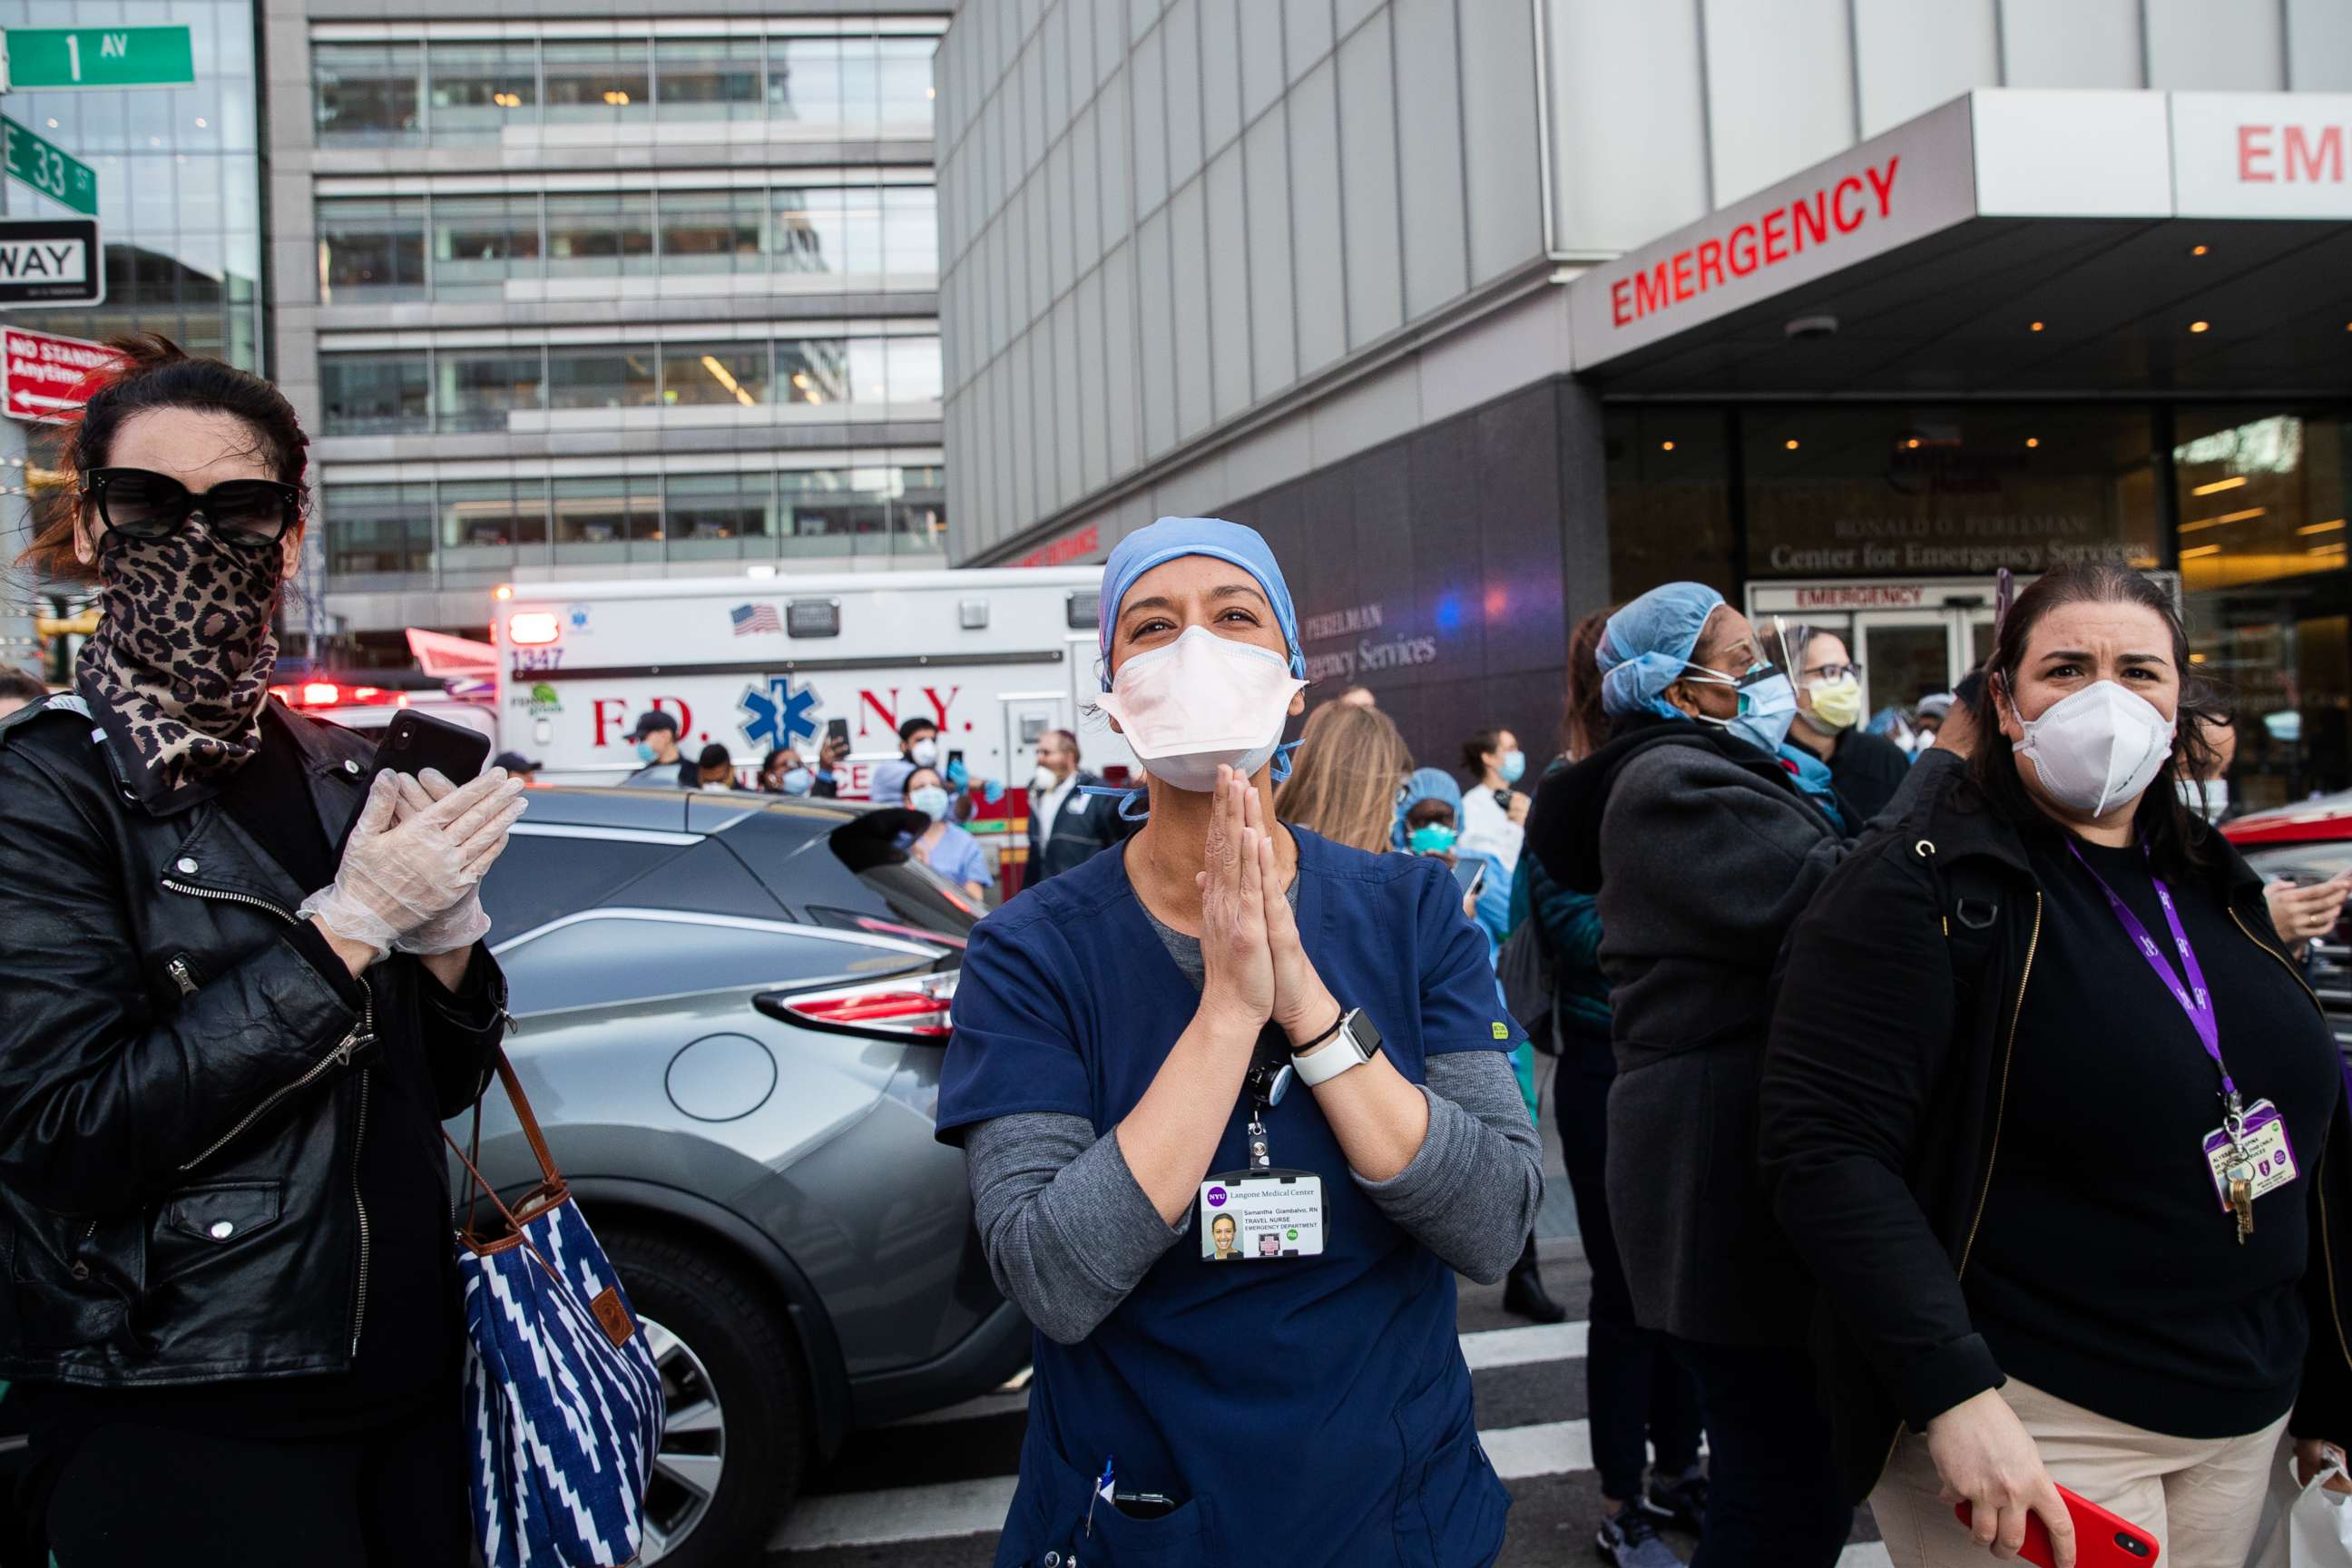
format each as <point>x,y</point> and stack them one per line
<point>731,1013</point>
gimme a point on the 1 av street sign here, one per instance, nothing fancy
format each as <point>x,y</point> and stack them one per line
<point>50,261</point>
<point>47,168</point>
<point>45,373</point>
<point>98,57</point>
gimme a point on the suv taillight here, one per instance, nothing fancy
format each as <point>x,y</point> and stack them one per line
<point>905,1007</point>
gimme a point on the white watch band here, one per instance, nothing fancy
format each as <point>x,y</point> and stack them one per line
<point>1335,1056</point>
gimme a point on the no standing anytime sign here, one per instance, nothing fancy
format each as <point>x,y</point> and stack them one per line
<point>45,374</point>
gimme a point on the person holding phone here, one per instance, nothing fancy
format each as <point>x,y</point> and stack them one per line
<point>2077,1206</point>
<point>942,845</point>
<point>245,983</point>
<point>1118,1034</point>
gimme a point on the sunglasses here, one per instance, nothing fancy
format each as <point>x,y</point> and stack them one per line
<point>139,504</point>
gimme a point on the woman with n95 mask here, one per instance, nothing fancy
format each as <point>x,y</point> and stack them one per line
<point>2067,1201</point>
<point>1233,1017</point>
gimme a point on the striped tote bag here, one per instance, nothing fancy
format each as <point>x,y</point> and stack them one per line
<point>563,1399</point>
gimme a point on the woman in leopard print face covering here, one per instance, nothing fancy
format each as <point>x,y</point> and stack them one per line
<point>241,985</point>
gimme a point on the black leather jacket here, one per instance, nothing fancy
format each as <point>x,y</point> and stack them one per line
<point>183,1092</point>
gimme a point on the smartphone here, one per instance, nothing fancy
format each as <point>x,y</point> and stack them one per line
<point>837,730</point>
<point>2102,1540</point>
<point>955,759</point>
<point>415,742</point>
<point>1471,873</point>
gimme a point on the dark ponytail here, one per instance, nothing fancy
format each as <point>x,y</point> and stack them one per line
<point>151,372</point>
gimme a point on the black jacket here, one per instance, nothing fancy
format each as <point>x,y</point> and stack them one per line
<point>1701,850</point>
<point>1881,1115</point>
<point>183,1091</point>
<point>1086,825</point>
<point>1866,771</point>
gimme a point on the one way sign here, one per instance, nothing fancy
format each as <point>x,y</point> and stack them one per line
<point>50,261</point>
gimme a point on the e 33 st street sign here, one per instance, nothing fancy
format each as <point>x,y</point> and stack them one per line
<point>48,168</point>
<point>97,56</point>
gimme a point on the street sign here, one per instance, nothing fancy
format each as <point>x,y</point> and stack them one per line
<point>50,261</point>
<point>99,57</point>
<point>47,168</point>
<point>45,373</point>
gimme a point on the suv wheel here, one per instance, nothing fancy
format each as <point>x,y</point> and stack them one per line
<point>737,1397</point>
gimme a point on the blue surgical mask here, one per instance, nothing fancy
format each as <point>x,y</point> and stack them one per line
<point>798,780</point>
<point>645,751</point>
<point>930,800</point>
<point>1432,838</point>
<point>1767,706</point>
<point>1513,767</point>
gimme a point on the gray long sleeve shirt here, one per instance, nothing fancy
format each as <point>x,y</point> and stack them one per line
<point>1069,1232</point>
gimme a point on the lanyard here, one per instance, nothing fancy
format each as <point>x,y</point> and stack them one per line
<point>1270,1076</point>
<point>2194,998</point>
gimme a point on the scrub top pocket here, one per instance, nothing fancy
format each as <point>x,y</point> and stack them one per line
<point>1054,1522</point>
<point>1450,1503</point>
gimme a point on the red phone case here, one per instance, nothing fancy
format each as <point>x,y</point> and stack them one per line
<point>2102,1540</point>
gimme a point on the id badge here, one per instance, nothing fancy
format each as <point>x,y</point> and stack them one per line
<point>1261,1214</point>
<point>2268,1154</point>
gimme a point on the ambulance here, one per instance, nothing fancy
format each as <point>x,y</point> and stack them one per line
<point>994,657</point>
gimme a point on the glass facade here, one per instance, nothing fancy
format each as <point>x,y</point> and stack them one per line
<point>376,250</point>
<point>414,391</point>
<point>461,533</point>
<point>2248,502</point>
<point>179,184</point>
<point>377,94</point>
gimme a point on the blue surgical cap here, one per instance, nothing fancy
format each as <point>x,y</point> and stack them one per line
<point>1648,644</point>
<point>1171,537</point>
<point>1425,784</point>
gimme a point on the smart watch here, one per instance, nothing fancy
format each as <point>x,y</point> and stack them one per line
<point>1350,1043</point>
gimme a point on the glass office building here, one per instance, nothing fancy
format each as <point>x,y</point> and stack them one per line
<point>574,298</point>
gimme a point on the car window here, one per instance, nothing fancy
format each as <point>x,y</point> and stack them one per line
<point>595,962</point>
<point>850,872</point>
<point>539,878</point>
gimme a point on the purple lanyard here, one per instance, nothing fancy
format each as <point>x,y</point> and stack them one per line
<point>2194,999</point>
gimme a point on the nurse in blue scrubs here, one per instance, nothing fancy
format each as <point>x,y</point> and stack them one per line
<point>1230,1017</point>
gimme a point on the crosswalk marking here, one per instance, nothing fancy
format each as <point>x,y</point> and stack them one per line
<point>1523,1347</point>
<point>1548,1448</point>
<point>901,1513</point>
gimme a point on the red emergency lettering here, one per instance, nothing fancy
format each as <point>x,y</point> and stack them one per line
<point>889,715</point>
<point>617,717</point>
<point>1883,185</point>
<point>1811,214</point>
<point>940,708</point>
<point>685,714</point>
<point>1650,291</point>
<point>2315,160</point>
<point>2248,151</point>
<point>1682,290</point>
<point>1743,250</point>
<point>1847,187</point>
<point>1710,263</point>
<point>1776,237</point>
<point>1621,301</point>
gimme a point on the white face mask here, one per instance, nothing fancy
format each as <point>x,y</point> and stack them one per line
<point>1045,781</point>
<point>2209,798</point>
<point>1202,702</point>
<point>924,754</point>
<point>2098,749</point>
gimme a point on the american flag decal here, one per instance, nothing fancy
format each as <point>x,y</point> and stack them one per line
<point>750,618</point>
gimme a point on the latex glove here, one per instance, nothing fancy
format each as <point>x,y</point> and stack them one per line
<point>957,776</point>
<point>991,790</point>
<point>466,924</point>
<point>397,874</point>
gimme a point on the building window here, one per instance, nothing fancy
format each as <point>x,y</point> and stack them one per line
<point>612,517</point>
<point>910,232</point>
<point>602,378</point>
<point>600,236</point>
<point>712,375</point>
<point>903,69</point>
<point>826,510</point>
<point>712,231</point>
<point>480,89</point>
<point>375,394</point>
<point>367,94</point>
<point>708,78</point>
<point>712,516</point>
<point>829,229</point>
<point>919,512</point>
<point>480,242</point>
<point>911,370</point>
<point>376,530</point>
<point>478,389</point>
<point>371,249</point>
<point>805,79</point>
<point>484,522</point>
<point>813,370</point>
<point>596,82</point>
